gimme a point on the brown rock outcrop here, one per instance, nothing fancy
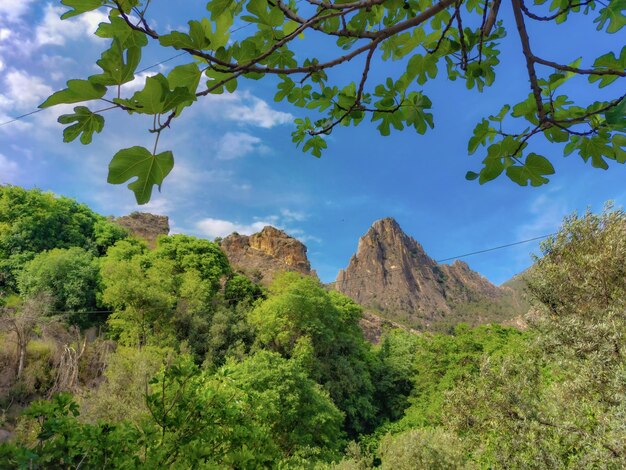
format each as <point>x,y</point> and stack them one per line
<point>391,273</point>
<point>263,255</point>
<point>144,225</point>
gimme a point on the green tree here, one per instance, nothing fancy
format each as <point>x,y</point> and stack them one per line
<point>397,353</point>
<point>194,254</point>
<point>560,404</point>
<point>456,39</point>
<point>259,413</point>
<point>143,296</point>
<point>22,318</point>
<point>301,319</point>
<point>32,221</point>
<point>106,234</point>
<point>68,276</point>
<point>422,449</point>
<point>301,417</point>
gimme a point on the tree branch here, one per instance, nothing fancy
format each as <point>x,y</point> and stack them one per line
<point>491,19</point>
<point>530,58</point>
<point>563,11</point>
<point>567,68</point>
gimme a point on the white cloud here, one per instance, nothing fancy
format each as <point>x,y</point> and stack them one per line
<point>238,144</point>
<point>23,90</point>
<point>221,228</point>
<point>55,31</point>
<point>56,65</point>
<point>244,108</point>
<point>5,33</point>
<point>13,10</point>
<point>137,83</point>
<point>546,215</point>
<point>158,204</point>
<point>212,228</point>
<point>8,170</point>
<point>293,215</point>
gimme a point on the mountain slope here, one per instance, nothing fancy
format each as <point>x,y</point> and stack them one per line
<point>263,255</point>
<point>392,274</point>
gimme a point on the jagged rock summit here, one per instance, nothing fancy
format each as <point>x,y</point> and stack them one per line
<point>392,274</point>
<point>144,225</point>
<point>264,254</point>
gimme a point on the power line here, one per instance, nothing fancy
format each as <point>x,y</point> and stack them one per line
<point>451,257</point>
<point>162,62</point>
<point>495,248</point>
<point>261,295</point>
<point>17,118</point>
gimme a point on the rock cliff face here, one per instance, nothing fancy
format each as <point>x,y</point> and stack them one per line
<point>263,255</point>
<point>145,226</point>
<point>392,274</point>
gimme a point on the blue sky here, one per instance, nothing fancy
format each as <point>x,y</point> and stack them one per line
<point>236,168</point>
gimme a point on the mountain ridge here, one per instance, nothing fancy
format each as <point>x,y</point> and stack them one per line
<point>392,274</point>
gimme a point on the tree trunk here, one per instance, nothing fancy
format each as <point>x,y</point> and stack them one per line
<point>21,353</point>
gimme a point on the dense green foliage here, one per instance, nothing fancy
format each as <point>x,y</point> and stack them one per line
<point>454,39</point>
<point>300,319</point>
<point>33,221</point>
<point>198,367</point>
<point>69,276</point>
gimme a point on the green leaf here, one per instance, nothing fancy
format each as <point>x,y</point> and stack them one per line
<point>533,171</point>
<point>139,162</point>
<point>80,6</point>
<point>118,28</point>
<point>501,115</point>
<point>612,14</point>
<point>482,132</point>
<point>608,62</point>
<point>76,91</point>
<point>196,39</point>
<point>617,114</point>
<point>86,124</point>
<point>526,109</point>
<point>471,175</point>
<point>597,149</point>
<point>539,164</point>
<point>557,79</point>
<point>619,143</point>
<point>315,144</point>
<point>116,70</point>
<point>422,67</point>
<point>491,170</point>
<point>156,96</point>
<point>150,99</point>
<point>185,76</point>
<point>556,134</point>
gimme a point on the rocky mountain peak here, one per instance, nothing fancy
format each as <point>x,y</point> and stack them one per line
<point>391,273</point>
<point>264,254</point>
<point>144,225</point>
<point>388,224</point>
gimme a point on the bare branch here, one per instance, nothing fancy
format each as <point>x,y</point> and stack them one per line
<point>357,100</point>
<point>561,12</point>
<point>567,68</point>
<point>491,19</point>
<point>528,55</point>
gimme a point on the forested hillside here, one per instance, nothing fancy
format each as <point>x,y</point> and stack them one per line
<point>119,355</point>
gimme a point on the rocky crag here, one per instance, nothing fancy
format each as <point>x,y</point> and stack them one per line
<point>145,226</point>
<point>263,255</point>
<point>391,274</point>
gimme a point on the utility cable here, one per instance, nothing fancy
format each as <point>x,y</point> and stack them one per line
<point>262,295</point>
<point>17,118</point>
